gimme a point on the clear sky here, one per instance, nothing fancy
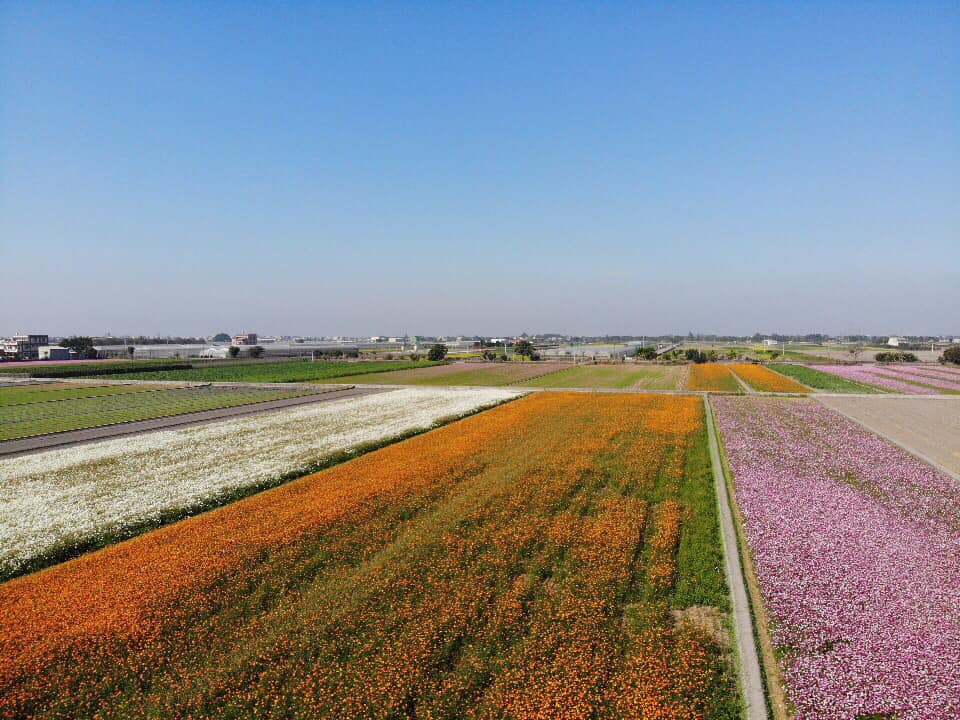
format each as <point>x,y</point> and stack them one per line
<point>341,168</point>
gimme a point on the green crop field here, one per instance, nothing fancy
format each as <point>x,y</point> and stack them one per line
<point>76,369</point>
<point>279,372</point>
<point>823,381</point>
<point>26,394</point>
<point>75,413</point>
<point>648,377</point>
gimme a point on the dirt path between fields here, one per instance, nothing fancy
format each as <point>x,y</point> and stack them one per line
<point>40,443</point>
<point>751,677</point>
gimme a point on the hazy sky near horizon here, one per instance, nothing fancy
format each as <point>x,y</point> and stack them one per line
<point>342,168</point>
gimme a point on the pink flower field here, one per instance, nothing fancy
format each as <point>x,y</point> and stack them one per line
<point>878,376</point>
<point>927,376</point>
<point>857,553</point>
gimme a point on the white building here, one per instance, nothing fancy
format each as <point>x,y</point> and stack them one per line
<point>55,352</point>
<point>897,341</point>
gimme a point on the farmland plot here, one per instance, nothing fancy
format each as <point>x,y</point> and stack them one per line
<point>555,557</point>
<point>59,414</point>
<point>765,380</point>
<point>921,375</point>
<point>56,503</point>
<point>888,378</point>
<point>279,372</point>
<point>647,377</point>
<point>855,545</point>
<point>711,377</point>
<point>42,392</point>
<point>473,373</point>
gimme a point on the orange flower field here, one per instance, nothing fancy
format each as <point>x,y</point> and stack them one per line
<point>712,377</point>
<point>557,556</point>
<point>766,380</point>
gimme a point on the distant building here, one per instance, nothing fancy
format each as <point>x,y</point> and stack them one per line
<point>26,347</point>
<point>245,339</point>
<point>897,341</point>
<point>770,342</point>
<point>55,352</point>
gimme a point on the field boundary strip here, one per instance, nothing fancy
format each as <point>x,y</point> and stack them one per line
<point>751,678</point>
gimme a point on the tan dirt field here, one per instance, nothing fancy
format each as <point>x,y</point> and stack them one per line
<point>928,426</point>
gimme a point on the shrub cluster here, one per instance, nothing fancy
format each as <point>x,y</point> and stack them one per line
<point>951,355</point>
<point>893,357</point>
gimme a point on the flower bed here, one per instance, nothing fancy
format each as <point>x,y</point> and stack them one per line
<point>919,374</point>
<point>766,380</point>
<point>855,544</point>
<point>870,375</point>
<point>711,377</point>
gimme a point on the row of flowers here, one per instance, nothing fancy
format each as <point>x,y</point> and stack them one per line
<point>68,498</point>
<point>930,376</point>
<point>520,563</point>
<point>856,546</point>
<point>887,377</point>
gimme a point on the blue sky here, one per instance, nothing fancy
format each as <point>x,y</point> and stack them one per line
<point>340,168</point>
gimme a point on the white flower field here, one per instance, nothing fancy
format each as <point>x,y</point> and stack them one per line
<point>60,499</point>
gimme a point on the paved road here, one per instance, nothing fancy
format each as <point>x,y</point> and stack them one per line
<point>39,443</point>
<point>751,678</point>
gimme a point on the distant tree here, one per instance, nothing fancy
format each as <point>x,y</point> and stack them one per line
<point>414,356</point>
<point>524,348</point>
<point>437,352</point>
<point>732,354</point>
<point>221,337</point>
<point>694,355</point>
<point>951,355</point>
<point>489,355</point>
<point>131,350</point>
<point>233,351</point>
<point>256,351</point>
<point>647,353</point>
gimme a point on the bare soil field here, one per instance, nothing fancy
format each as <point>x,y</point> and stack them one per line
<point>928,426</point>
<point>462,373</point>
